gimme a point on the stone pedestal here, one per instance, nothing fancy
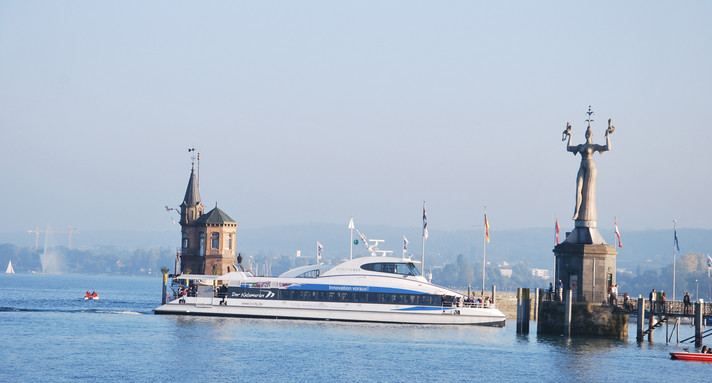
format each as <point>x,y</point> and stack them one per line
<point>585,264</point>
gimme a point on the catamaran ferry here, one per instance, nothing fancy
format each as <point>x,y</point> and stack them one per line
<point>367,289</point>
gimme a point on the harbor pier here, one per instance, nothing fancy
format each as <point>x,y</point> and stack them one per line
<point>671,312</point>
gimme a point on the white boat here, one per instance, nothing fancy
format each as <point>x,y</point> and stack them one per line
<point>367,289</point>
<point>9,269</point>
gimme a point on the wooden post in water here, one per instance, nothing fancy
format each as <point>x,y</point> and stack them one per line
<point>641,319</point>
<point>519,310</point>
<point>523,310</point>
<point>494,289</point>
<point>567,313</point>
<point>535,310</point>
<point>651,323</point>
<point>698,324</point>
<point>165,281</point>
<point>538,305</point>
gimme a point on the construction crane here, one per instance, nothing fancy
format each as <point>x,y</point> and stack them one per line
<point>37,232</point>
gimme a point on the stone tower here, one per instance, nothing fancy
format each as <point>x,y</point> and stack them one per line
<point>207,240</point>
<point>219,231</point>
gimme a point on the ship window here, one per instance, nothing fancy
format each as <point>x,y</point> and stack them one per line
<point>358,297</point>
<point>393,268</point>
<point>214,241</point>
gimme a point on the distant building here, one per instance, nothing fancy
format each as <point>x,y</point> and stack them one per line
<point>541,273</point>
<point>505,272</point>
<point>207,240</point>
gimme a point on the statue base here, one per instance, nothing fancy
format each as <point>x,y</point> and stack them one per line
<point>585,264</point>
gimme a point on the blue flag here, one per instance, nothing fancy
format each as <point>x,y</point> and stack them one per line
<point>425,223</point>
<point>677,245</point>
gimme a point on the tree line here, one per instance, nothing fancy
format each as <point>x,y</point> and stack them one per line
<point>456,272</point>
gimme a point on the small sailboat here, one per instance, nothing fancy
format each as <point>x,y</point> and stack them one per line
<point>9,269</point>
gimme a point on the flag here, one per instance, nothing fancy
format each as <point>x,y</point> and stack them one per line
<point>709,262</point>
<point>486,228</point>
<point>677,245</point>
<point>405,244</point>
<point>618,234</point>
<point>319,248</point>
<point>425,223</point>
<point>557,229</point>
<point>351,223</point>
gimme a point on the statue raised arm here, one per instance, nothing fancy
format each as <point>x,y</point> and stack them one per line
<point>587,174</point>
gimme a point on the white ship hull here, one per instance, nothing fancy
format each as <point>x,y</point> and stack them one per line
<point>354,312</point>
<point>367,289</point>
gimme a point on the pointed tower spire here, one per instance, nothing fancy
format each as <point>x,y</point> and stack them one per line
<point>191,209</point>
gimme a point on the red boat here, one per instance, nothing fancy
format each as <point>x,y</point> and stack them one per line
<point>694,356</point>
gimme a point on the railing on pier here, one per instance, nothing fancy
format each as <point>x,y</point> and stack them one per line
<point>673,308</point>
<point>584,296</point>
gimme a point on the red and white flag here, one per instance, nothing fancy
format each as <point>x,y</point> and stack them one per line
<point>557,229</point>
<point>618,234</point>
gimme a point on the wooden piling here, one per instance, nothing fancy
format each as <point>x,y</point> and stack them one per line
<point>567,313</point>
<point>698,324</point>
<point>523,310</point>
<point>165,282</point>
<point>641,320</point>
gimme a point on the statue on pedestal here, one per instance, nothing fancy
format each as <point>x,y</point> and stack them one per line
<point>586,178</point>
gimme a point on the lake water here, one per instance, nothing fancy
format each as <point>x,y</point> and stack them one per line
<point>48,332</point>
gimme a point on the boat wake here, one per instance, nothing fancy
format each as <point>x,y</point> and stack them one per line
<point>55,310</point>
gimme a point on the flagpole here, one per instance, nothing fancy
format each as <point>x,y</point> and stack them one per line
<point>425,235</point>
<point>351,226</point>
<point>484,251</point>
<point>557,230</point>
<point>674,256</point>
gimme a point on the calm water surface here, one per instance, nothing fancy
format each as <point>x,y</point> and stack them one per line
<point>49,333</point>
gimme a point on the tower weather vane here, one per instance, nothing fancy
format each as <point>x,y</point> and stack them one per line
<point>585,211</point>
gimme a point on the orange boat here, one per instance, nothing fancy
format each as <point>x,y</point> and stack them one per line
<point>694,356</point>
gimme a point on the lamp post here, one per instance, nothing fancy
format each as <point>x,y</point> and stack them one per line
<point>697,294</point>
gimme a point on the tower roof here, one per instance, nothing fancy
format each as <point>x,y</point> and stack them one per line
<point>192,195</point>
<point>215,216</point>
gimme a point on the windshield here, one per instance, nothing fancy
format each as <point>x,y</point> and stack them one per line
<point>394,268</point>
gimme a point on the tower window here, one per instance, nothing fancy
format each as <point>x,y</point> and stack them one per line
<point>228,241</point>
<point>214,241</point>
<point>185,242</point>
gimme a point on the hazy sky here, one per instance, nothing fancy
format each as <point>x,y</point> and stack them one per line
<point>316,111</point>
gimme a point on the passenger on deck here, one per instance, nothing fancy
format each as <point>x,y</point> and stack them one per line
<point>686,302</point>
<point>704,349</point>
<point>662,302</point>
<point>653,296</point>
<point>183,292</point>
